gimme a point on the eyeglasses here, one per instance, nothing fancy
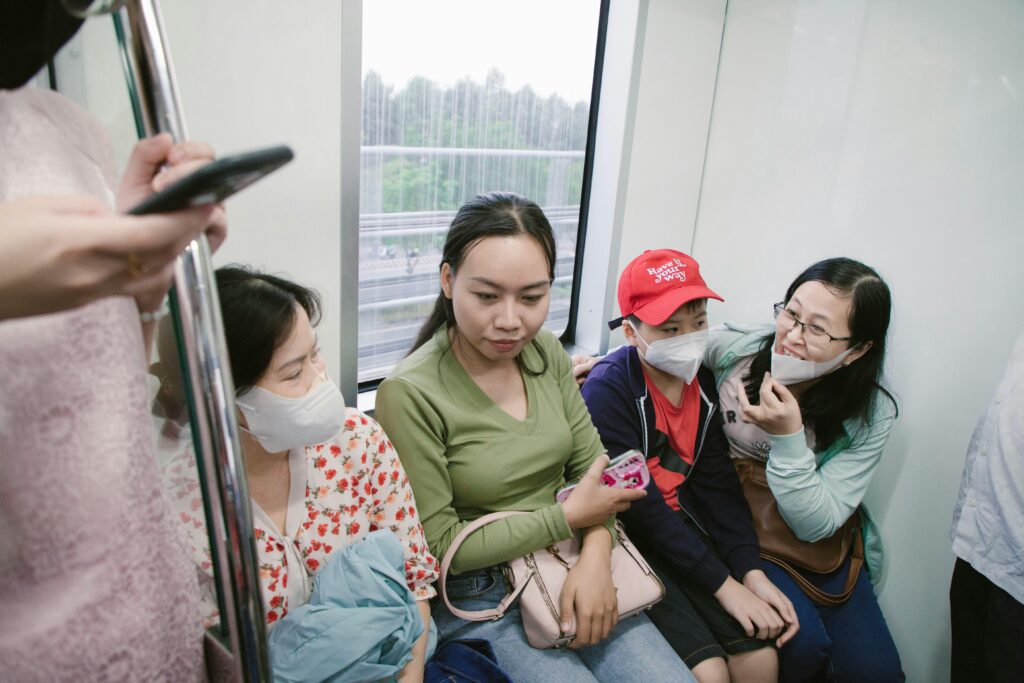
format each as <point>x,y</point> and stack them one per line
<point>83,9</point>
<point>813,334</point>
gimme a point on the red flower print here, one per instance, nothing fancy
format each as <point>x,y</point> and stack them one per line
<point>336,517</point>
<point>363,420</point>
<point>313,513</point>
<point>335,450</point>
<point>312,564</point>
<point>320,462</point>
<point>269,548</point>
<point>277,601</point>
<point>363,459</point>
<point>400,514</point>
<point>315,544</point>
<point>328,548</point>
<point>280,548</point>
<point>420,574</point>
<point>306,525</point>
<point>381,478</point>
<point>412,511</point>
<point>350,423</point>
<point>361,500</point>
<point>321,529</point>
<point>342,484</point>
<point>415,549</point>
<point>284,581</point>
<point>330,474</point>
<point>336,529</point>
<point>272,587</point>
<point>394,476</point>
<point>353,529</point>
<point>368,488</point>
<point>271,617</point>
<point>382,448</point>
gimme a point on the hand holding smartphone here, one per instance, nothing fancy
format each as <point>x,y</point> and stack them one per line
<point>627,471</point>
<point>215,181</point>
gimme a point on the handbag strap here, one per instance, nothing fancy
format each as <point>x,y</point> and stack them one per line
<point>816,594</point>
<point>484,614</point>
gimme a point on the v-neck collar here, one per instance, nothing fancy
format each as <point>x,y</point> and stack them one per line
<point>452,366</point>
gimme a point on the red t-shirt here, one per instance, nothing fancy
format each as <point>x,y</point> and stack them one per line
<point>679,423</point>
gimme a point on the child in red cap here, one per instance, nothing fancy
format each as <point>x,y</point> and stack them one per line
<point>720,612</point>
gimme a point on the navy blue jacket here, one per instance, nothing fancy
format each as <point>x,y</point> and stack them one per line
<point>623,412</point>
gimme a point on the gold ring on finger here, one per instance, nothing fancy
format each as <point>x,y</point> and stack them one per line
<point>135,267</point>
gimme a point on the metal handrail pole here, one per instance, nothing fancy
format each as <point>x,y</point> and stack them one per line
<point>208,373</point>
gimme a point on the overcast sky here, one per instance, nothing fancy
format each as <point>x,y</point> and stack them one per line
<point>548,44</point>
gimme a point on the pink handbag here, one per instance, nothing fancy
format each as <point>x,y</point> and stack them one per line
<point>537,578</point>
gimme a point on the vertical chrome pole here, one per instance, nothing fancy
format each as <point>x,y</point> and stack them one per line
<point>209,385</point>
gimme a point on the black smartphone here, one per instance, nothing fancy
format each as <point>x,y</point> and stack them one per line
<point>216,180</point>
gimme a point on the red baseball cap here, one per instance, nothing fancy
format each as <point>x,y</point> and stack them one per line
<point>656,283</point>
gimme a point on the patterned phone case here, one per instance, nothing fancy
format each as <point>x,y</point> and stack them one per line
<point>627,471</point>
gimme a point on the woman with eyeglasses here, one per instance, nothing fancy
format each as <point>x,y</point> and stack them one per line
<point>806,397</point>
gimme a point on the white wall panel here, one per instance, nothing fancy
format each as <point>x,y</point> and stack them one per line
<point>673,109</point>
<point>259,73</point>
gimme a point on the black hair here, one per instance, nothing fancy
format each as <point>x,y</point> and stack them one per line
<point>259,313</point>
<point>690,306</point>
<point>848,391</point>
<point>495,214</point>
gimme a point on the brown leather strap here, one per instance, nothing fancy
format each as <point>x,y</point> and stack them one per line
<point>816,594</point>
<point>484,614</point>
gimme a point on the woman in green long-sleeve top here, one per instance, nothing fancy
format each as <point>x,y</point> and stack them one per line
<point>486,416</point>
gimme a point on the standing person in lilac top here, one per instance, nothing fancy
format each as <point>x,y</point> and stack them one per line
<point>95,586</point>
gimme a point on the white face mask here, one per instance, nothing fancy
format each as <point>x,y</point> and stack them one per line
<point>281,424</point>
<point>790,370</point>
<point>678,356</point>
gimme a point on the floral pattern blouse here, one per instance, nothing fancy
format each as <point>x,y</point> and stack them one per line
<point>341,490</point>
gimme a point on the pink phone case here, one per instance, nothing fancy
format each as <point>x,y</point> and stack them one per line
<point>627,471</point>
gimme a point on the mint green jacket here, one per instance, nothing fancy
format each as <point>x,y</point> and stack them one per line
<point>816,492</point>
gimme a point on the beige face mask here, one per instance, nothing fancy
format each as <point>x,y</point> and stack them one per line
<point>790,370</point>
<point>678,356</point>
<point>281,424</point>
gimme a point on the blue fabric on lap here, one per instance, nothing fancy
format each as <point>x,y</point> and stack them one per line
<point>360,623</point>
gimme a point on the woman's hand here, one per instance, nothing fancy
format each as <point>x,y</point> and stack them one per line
<point>779,411</point>
<point>588,599</point>
<point>581,367</point>
<point>63,252</point>
<point>754,614</point>
<point>591,502</point>
<point>143,176</point>
<point>760,585</point>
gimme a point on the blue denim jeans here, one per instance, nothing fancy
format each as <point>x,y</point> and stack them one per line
<point>635,650</point>
<point>850,643</point>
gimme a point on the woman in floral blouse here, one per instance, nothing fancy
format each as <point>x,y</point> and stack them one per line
<point>320,475</point>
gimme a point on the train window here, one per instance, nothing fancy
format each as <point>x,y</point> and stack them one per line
<point>460,98</point>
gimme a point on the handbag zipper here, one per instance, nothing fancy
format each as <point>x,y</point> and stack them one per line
<point>532,564</point>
